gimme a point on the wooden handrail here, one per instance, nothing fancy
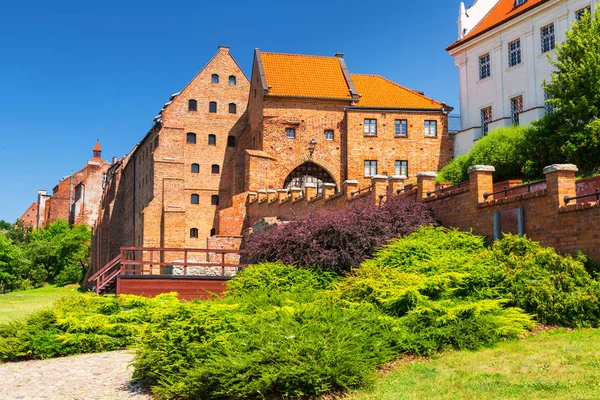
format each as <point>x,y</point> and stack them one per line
<point>105,268</point>
<point>181,250</point>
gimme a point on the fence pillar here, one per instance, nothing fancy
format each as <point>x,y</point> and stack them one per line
<point>271,196</point>
<point>379,187</point>
<point>480,182</point>
<point>395,184</point>
<point>282,194</point>
<point>296,193</point>
<point>310,190</point>
<point>560,180</point>
<point>349,187</point>
<point>251,196</point>
<point>262,195</point>
<point>425,183</point>
<point>328,190</point>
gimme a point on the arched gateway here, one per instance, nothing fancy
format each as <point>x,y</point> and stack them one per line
<point>308,172</point>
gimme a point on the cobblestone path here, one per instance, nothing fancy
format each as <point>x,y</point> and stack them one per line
<point>103,376</point>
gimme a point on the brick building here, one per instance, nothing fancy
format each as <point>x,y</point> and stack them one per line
<point>75,199</point>
<point>301,122</point>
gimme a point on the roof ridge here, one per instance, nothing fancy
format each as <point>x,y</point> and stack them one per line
<point>299,55</point>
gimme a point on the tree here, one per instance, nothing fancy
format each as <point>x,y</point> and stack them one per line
<point>5,226</point>
<point>572,133</point>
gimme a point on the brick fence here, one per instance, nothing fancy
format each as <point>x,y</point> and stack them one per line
<point>538,210</point>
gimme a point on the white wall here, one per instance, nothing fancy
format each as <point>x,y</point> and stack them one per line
<point>524,79</point>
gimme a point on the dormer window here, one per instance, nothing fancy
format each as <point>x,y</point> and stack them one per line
<point>519,2</point>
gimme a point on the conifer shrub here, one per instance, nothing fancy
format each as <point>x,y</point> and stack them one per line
<point>340,240</point>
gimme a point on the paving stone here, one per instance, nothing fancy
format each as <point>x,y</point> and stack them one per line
<point>104,376</point>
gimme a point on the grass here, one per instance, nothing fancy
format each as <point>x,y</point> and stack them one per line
<point>18,304</point>
<point>556,365</point>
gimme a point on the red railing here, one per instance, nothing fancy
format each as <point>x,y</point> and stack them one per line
<point>105,276</point>
<point>173,261</point>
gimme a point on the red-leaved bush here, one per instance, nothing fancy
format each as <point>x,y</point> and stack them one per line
<point>337,240</point>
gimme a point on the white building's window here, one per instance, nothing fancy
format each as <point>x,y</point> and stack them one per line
<point>431,128</point>
<point>580,13</point>
<point>516,107</point>
<point>370,167</point>
<point>484,66</point>
<point>547,35</point>
<point>402,167</point>
<point>486,118</point>
<point>549,107</point>
<point>514,53</point>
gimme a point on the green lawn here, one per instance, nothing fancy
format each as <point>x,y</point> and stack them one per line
<point>19,304</point>
<point>553,365</point>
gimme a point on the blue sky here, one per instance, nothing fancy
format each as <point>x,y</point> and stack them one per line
<point>71,72</point>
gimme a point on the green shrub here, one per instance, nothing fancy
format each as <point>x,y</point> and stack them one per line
<point>557,289</point>
<point>503,148</point>
<point>271,276</point>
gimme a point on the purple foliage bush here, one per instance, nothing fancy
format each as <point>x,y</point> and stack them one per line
<point>337,240</point>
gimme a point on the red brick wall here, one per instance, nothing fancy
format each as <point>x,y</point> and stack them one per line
<point>422,153</point>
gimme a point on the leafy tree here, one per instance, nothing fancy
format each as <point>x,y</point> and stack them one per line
<point>13,264</point>
<point>5,226</point>
<point>572,132</point>
<point>60,250</point>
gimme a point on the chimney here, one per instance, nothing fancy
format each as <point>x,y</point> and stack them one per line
<point>339,55</point>
<point>224,48</point>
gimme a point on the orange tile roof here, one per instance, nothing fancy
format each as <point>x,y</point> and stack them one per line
<point>502,12</point>
<point>377,91</point>
<point>97,147</point>
<point>299,75</point>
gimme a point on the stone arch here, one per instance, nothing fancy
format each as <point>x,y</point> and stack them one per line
<point>308,172</point>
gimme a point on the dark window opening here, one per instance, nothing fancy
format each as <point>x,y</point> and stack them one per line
<point>231,141</point>
<point>212,140</point>
<point>214,78</point>
<point>215,169</point>
<point>232,108</point>
<point>194,233</point>
<point>195,199</point>
<point>191,138</point>
<point>214,200</point>
<point>212,107</point>
<point>192,105</point>
<point>232,80</point>
<point>213,231</point>
<point>195,168</point>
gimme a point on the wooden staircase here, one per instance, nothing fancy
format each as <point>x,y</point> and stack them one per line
<point>105,279</point>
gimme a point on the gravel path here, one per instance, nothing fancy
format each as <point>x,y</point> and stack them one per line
<point>103,376</point>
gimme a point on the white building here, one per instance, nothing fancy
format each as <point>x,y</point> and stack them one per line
<point>502,57</point>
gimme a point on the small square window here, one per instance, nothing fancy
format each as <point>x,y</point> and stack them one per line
<point>290,133</point>
<point>232,80</point>
<point>212,107</point>
<point>214,78</point>
<point>328,134</point>
<point>431,128</point>
<point>370,167</point>
<point>370,127</point>
<point>232,108</point>
<point>400,128</point>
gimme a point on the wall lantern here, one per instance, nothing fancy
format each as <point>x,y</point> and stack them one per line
<point>311,147</point>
